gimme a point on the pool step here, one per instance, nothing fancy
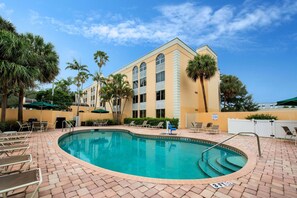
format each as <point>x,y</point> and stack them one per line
<point>218,167</point>
<point>223,162</point>
<point>207,169</point>
<point>238,161</point>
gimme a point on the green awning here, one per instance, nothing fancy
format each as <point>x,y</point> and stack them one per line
<point>290,102</point>
<point>100,111</point>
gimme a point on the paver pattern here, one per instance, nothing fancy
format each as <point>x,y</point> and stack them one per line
<point>275,173</point>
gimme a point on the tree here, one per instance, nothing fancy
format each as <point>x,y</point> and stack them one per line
<point>100,58</point>
<point>41,63</point>
<point>79,79</point>
<point>97,78</point>
<point>202,67</point>
<point>234,96</point>
<point>116,91</point>
<point>62,98</point>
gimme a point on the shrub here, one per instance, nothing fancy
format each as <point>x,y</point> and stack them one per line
<point>10,125</point>
<point>152,121</point>
<point>261,117</point>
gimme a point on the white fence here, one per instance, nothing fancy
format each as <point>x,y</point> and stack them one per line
<point>264,128</point>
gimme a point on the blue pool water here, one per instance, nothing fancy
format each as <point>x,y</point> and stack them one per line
<point>150,157</point>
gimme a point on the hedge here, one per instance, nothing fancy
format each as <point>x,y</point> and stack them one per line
<point>91,122</point>
<point>152,121</point>
<point>261,117</point>
<point>10,125</point>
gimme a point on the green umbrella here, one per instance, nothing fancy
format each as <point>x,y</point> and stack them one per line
<point>291,101</point>
<point>100,111</point>
<point>40,105</point>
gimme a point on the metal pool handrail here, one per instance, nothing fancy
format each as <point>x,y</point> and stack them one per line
<point>233,136</point>
<point>67,125</point>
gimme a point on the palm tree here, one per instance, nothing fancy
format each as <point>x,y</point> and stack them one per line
<point>12,61</point>
<point>42,61</point>
<point>202,67</point>
<point>116,89</point>
<point>6,25</point>
<point>97,78</point>
<point>79,79</point>
<point>100,58</point>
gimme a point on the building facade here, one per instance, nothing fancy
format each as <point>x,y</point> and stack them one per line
<point>161,85</point>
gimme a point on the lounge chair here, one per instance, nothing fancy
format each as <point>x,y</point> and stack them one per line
<point>7,142</point>
<point>8,163</point>
<point>159,126</point>
<point>132,123</point>
<point>208,125</point>
<point>10,150</point>
<point>214,129</point>
<point>15,136</point>
<point>144,124</point>
<point>197,126</point>
<point>25,179</point>
<point>24,125</point>
<point>290,133</point>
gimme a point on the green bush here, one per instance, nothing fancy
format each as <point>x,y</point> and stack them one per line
<point>10,125</point>
<point>152,121</point>
<point>91,122</point>
<point>261,117</point>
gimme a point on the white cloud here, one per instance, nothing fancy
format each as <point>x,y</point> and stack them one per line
<point>5,11</point>
<point>193,23</point>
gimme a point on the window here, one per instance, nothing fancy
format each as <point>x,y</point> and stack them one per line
<point>160,113</point>
<point>135,84</point>
<point>142,97</point>
<point>135,71</point>
<point>102,104</point>
<point>160,76</point>
<point>143,82</point>
<point>135,99</point>
<point>142,113</point>
<point>143,67</point>
<point>135,114</point>
<point>160,95</point>
<point>160,59</point>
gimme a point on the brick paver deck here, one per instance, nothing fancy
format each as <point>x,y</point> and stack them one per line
<point>274,175</point>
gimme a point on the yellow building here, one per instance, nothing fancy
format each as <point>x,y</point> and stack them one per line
<point>161,85</point>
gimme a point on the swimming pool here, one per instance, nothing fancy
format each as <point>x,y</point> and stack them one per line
<point>154,157</point>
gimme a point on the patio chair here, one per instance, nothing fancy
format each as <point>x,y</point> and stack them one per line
<point>132,123</point>
<point>288,132</point>
<point>10,150</point>
<point>7,164</point>
<point>23,126</point>
<point>144,124</point>
<point>214,129</point>
<point>171,128</point>
<point>103,123</point>
<point>159,126</point>
<point>197,126</point>
<point>38,126</point>
<point>25,179</point>
<point>51,125</point>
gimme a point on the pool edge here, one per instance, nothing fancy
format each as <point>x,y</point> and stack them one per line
<point>250,165</point>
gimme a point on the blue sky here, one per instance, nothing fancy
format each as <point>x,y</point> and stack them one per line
<point>254,40</point>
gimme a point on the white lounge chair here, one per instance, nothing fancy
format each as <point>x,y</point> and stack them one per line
<point>25,179</point>
<point>7,164</point>
<point>159,126</point>
<point>24,125</point>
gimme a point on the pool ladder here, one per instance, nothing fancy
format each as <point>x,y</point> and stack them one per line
<point>233,136</point>
<point>67,125</point>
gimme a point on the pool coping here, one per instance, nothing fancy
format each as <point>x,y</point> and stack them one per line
<point>250,165</point>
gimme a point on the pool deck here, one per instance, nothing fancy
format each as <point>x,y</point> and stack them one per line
<point>272,175</point>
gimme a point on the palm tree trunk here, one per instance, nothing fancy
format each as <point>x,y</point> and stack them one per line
<point>204,96</point>
<point>4,102</point>
<point>96,96</point>
<point>20,106</point>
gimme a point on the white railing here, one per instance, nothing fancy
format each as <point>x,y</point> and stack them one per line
<point>263,128</point>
